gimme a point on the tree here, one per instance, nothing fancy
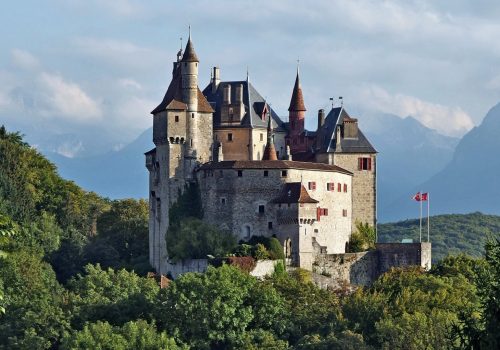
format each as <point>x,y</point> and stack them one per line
<point>114,296</point>
<point>133,335</point>
<point>217,308</point>
<point>194,239</point>
<point>35,316</point>
<point>363,238</point>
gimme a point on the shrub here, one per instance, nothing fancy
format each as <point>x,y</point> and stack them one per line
<point>363,239</point>
<point>260,252</point>
<point>275,249</point>
<point>245,263</point>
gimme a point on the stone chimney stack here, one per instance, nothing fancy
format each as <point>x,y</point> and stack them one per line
<point>239,93</point>
<point>321,118</point>
<point>215,79</point>
<point>227,94</point>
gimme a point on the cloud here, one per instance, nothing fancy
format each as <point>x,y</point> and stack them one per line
<point>67,99</point>
<point>24,59</point>
<point>129,83</point>
<point>451,121</point>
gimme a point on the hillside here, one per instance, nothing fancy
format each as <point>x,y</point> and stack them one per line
<point>469,182</point>
<point>450,234</point>
<point>409,153</point>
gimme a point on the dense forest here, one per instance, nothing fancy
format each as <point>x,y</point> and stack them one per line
<point>449,234</point>
<point>73,276</point>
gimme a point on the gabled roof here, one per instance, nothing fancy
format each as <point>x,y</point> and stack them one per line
<point>294,192</point>
<point>252,117</point>
<point>326,136</point>
<point>297,100</point>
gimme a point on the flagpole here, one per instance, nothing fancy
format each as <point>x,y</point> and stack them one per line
<point>420,216</point>
<point>428,217</point>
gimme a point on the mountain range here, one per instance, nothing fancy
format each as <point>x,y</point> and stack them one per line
<point>469,182</point>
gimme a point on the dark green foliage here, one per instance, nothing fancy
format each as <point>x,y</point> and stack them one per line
<point>450,234</point>
<point>188,205</point>
<point>114,296</point>
<point>194,239</point>
<point>34,303</point>
<point>215,309</point>
<point>261,248</point>
<point>133,335</point>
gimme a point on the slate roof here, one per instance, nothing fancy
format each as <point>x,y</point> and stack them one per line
<point>151,151</point>
<point>272,164</point>
<point>257,102</point>
<point>326,137</point>
<point>294,192</point>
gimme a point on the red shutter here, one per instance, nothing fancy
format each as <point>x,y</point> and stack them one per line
<point>345,188</point>
<point>314,185</point>
<point>339,187</point>
<point>360,163</point>
<point>369,164</point>
<point>318,213</point>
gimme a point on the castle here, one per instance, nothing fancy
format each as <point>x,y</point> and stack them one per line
<point>257,174</point>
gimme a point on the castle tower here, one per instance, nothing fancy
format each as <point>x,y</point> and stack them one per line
<point>297,113</point>
<point>183,136</point>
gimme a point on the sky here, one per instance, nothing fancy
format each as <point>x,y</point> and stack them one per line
<point>80,76</point>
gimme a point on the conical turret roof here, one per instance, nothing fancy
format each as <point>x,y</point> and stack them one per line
<point>270,150</point>
<point>297,101</point>
<point>189,53</point>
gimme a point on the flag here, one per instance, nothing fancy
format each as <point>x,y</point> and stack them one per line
<point>420,197</point>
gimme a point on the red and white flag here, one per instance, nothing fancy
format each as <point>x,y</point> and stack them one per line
<point>420,197</point>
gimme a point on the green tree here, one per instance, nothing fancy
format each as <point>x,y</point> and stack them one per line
<point>114,296</point>
<point>133,335</point>
<point>215,309</point>
<point>35,316</point>
<point>363,238</point>
<point>194,239</point>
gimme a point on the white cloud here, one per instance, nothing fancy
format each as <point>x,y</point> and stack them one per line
<point>133,113</point>
<point>67,99</point>
<point>24,59</point>
<point>129,83</point>
<point>452,121</point>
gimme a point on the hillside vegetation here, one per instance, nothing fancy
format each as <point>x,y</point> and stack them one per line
<point>449,234</point>
<point>72,270</point>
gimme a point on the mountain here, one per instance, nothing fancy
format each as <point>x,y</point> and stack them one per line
<point>450,234</point>
<point>116,174</point>
<point>470,181</point>
<point>409,153</point>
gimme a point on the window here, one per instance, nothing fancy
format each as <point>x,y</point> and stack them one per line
<point>283,173</point>
<point>344,212</point>
<point>223,201</point>
<point>270,225</point>
<point>191,142</point>
<point>192,115</point>
<point>230,137</point>
<point>240,173</point>
<point>321,212</point>
<point>176,118</point>
<point>312,185</point>
<point>345,188</point>
<point>266,173</point>
<point>339,187</point>
<point>261,209</point>
<point>330,186</point>
<point>262,137</point>
<point>365,163</point>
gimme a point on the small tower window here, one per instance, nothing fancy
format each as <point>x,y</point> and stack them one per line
<point>176,118</point>
<point>192,115</point>
<point>344,212</point>
<point>283,173</point>
<point>240,173</point>
<point>230,137</point>
<point>261,136</point>
<point>261,209</point>
<point>270,225</point>
<point>223,201</point>
<point>266,173</point>
<point>345,188</point>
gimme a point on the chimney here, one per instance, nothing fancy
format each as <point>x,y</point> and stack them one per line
<point>227,94</point>
<point>239,93</point>
<point>351,128</point>
<point>215,79</point>
<point>288,153</point>
<point>338,136</point>
<point>321,118</point>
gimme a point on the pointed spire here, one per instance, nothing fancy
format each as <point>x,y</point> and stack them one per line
<point>297,101</point>
<point>189,53</point>
<point>270,150</point>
